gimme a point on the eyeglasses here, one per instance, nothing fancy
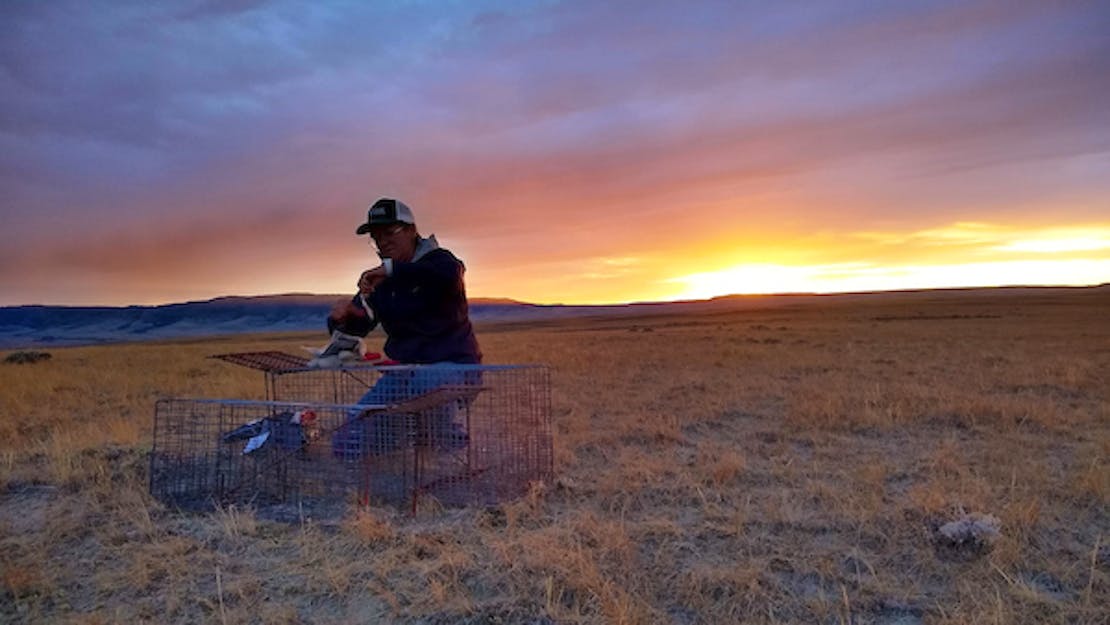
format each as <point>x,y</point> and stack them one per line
<point>388,232</point>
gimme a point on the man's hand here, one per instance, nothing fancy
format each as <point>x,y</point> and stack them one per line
<point>345,309</point>
<point>370,279</point>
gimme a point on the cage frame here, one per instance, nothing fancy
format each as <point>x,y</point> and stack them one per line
<point>471,462</point>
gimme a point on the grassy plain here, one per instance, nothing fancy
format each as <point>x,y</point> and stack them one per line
<point>785,462</point>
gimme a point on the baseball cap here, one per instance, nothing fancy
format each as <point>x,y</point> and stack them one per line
<point>385,212</point>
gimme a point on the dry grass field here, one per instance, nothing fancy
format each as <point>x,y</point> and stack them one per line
<point>787,462</point>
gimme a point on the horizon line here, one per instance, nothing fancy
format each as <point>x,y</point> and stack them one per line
<point>489,299</point>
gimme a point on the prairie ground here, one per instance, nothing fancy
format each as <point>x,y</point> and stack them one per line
<point>786,462</point>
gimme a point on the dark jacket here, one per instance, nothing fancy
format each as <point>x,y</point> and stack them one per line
<point>423,309</point>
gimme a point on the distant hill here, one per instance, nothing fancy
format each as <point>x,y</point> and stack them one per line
<point>68,325</point>
<point>42,326</point>
<point>29,326</point>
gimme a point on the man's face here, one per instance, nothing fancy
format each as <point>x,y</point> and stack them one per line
<point>397,241</point>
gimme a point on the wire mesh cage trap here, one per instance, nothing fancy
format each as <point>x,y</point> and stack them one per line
<point>461,434</point>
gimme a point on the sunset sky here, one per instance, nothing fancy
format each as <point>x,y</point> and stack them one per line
<point>573,152</point>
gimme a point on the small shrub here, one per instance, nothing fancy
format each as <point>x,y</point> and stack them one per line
<point>29,357</point>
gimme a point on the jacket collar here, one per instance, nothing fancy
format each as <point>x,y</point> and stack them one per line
<point>424,246</point>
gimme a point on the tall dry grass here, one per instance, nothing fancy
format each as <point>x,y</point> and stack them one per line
<point>783,464</point>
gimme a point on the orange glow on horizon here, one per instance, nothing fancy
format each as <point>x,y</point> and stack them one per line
<point>850,278</point>
<point>957,256</point>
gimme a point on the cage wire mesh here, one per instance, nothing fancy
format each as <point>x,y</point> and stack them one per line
<point>461,434</point>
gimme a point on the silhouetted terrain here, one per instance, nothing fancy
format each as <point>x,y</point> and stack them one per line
<point>30,326</point>
<point>26,326</point>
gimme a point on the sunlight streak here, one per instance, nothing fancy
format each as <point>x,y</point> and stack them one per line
<point>1062,241</point>
<point>854,277</point>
